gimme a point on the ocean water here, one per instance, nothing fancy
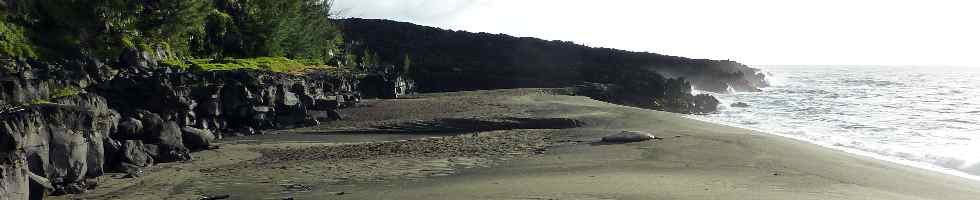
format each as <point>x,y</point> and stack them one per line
<point>922,116</point>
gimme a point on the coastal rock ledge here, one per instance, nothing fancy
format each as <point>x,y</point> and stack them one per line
<point>70,123</point>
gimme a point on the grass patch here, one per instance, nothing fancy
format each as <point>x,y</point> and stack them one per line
<point>65,92</point>
<point>39,102</point>
<point>176,64</point>
<point>274,64</point>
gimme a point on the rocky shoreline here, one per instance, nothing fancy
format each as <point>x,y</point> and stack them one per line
<point>426,143</point>
<point>91,88</point>
<point>68,124</point>
<point>71,123</point>
<point>521,144</point>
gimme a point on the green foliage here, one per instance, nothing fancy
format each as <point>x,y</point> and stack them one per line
<point>274,64</point>
<point>298,29</point>
<point>72,28</point>
<point>13,43</point>
<point>310,33</point>
<point>65,92</point>
<point>104,29</point>
<point>212,42</point>
<point>174,23</point>
<point>176,63</point>
<point>369,61</point>
<point>311,62</point>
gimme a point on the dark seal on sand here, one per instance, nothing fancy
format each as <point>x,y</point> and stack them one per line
<point>628,136</point>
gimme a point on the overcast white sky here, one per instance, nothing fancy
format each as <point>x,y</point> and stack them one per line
<point>757,32</point>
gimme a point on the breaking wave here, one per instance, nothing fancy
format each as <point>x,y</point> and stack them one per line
<point>912,115</point>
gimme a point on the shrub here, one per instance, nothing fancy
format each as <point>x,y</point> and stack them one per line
<point>65,92</point>
<point>274,64</point>
<point>13,43</point>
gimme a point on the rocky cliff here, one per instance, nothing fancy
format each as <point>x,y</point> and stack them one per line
<point>63,124</point>
<point>447,60</point>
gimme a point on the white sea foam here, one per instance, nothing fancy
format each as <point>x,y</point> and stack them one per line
<point>917,116</point>
<point>729,89</point>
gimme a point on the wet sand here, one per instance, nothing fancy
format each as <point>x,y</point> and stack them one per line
<point>525,144</point>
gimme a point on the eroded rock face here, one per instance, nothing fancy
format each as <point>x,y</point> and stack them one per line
<point>58,139</point>
<point>126,119</point>
<point>13,168</point>
<point>22,82</point>
<point>226,101</point>
<point>60,142</point>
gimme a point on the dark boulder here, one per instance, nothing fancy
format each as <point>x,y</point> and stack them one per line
<point>197,139</point>
<point>740,105</point>
<point>129,129</point>
<point>152,124</point>
<point>166,143</point>
<point>134,153</point>
<point>164,136</point>
<point>170,135</point>
<point>165,153</point>
<point>705,103</point>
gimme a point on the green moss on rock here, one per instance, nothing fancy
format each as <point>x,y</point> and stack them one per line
<point>65,92</point>
<point>274,64</point>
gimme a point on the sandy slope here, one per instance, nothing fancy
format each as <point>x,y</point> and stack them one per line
<point>401,149</point>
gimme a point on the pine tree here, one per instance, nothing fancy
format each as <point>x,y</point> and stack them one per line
<point>191,28</point>
<point>172,22</point>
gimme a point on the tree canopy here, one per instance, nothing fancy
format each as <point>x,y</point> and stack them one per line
<point>59,29</point>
